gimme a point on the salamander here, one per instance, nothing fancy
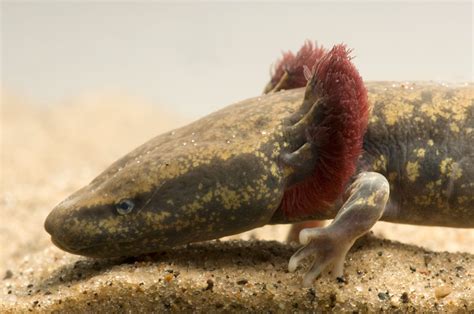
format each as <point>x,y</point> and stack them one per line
<point>318,144</point>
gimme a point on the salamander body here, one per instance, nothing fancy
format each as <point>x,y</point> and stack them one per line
<point>334,149</point>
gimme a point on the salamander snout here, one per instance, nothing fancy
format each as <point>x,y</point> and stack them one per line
<point>93,222</point>
<point>49,225</point>
<point>55,224</point>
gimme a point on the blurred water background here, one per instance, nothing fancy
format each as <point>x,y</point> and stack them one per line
<point>195,57</point>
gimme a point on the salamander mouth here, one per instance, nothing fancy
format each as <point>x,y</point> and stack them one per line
<point>91,250</point>
<point>69,249</point>
<point>108,250</point>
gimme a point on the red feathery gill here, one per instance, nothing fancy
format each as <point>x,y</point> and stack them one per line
<point>337,132</point>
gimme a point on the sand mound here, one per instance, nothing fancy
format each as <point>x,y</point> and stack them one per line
<point>242,276</point>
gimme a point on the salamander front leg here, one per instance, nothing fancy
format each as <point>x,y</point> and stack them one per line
<point>366,200</point>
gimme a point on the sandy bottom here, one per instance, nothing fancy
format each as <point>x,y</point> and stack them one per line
<point>49,152</point>
<point>241,276</point>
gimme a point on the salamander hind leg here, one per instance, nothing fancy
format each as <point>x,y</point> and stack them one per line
<point>366,200</point>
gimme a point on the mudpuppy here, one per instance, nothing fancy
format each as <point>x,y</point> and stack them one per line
<point>318,144</point>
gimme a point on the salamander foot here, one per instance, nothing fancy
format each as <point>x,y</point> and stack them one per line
<point>367,197</point>
<point>329,252</point>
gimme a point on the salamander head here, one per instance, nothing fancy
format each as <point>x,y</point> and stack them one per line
<point>108,217</point>
<point>124,211</point>
<point>199,182</point>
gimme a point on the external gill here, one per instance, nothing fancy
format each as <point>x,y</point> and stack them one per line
<point>301,154</point>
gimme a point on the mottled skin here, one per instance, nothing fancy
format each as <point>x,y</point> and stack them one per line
<point>217,176</point>
<point>181,184</point>
<point>420,137</point>
<point>228,171</point>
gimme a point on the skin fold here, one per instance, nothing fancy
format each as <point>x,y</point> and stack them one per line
<point>231,171</point>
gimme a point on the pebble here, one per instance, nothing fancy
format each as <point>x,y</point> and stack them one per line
<point>442,291</point>
<point>404,297</point>
<point>247,287</point>
<point>383,296</point>
<point>242,282</point>
<point>168,277</point>
<point>8,274</point>
<point>210,284</point>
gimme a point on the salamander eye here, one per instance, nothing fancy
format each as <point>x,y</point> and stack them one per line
<point>124,207</point>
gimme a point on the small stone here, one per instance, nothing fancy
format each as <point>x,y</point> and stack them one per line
<point>210,284</point>
<point>8,274</point>
<point>242,282</point>
<point>459,268</point>
<point>168,277</point>
<point>404,297</point>
<point>311,294</point>
<point>383,296</point>
<point>442,291</point>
